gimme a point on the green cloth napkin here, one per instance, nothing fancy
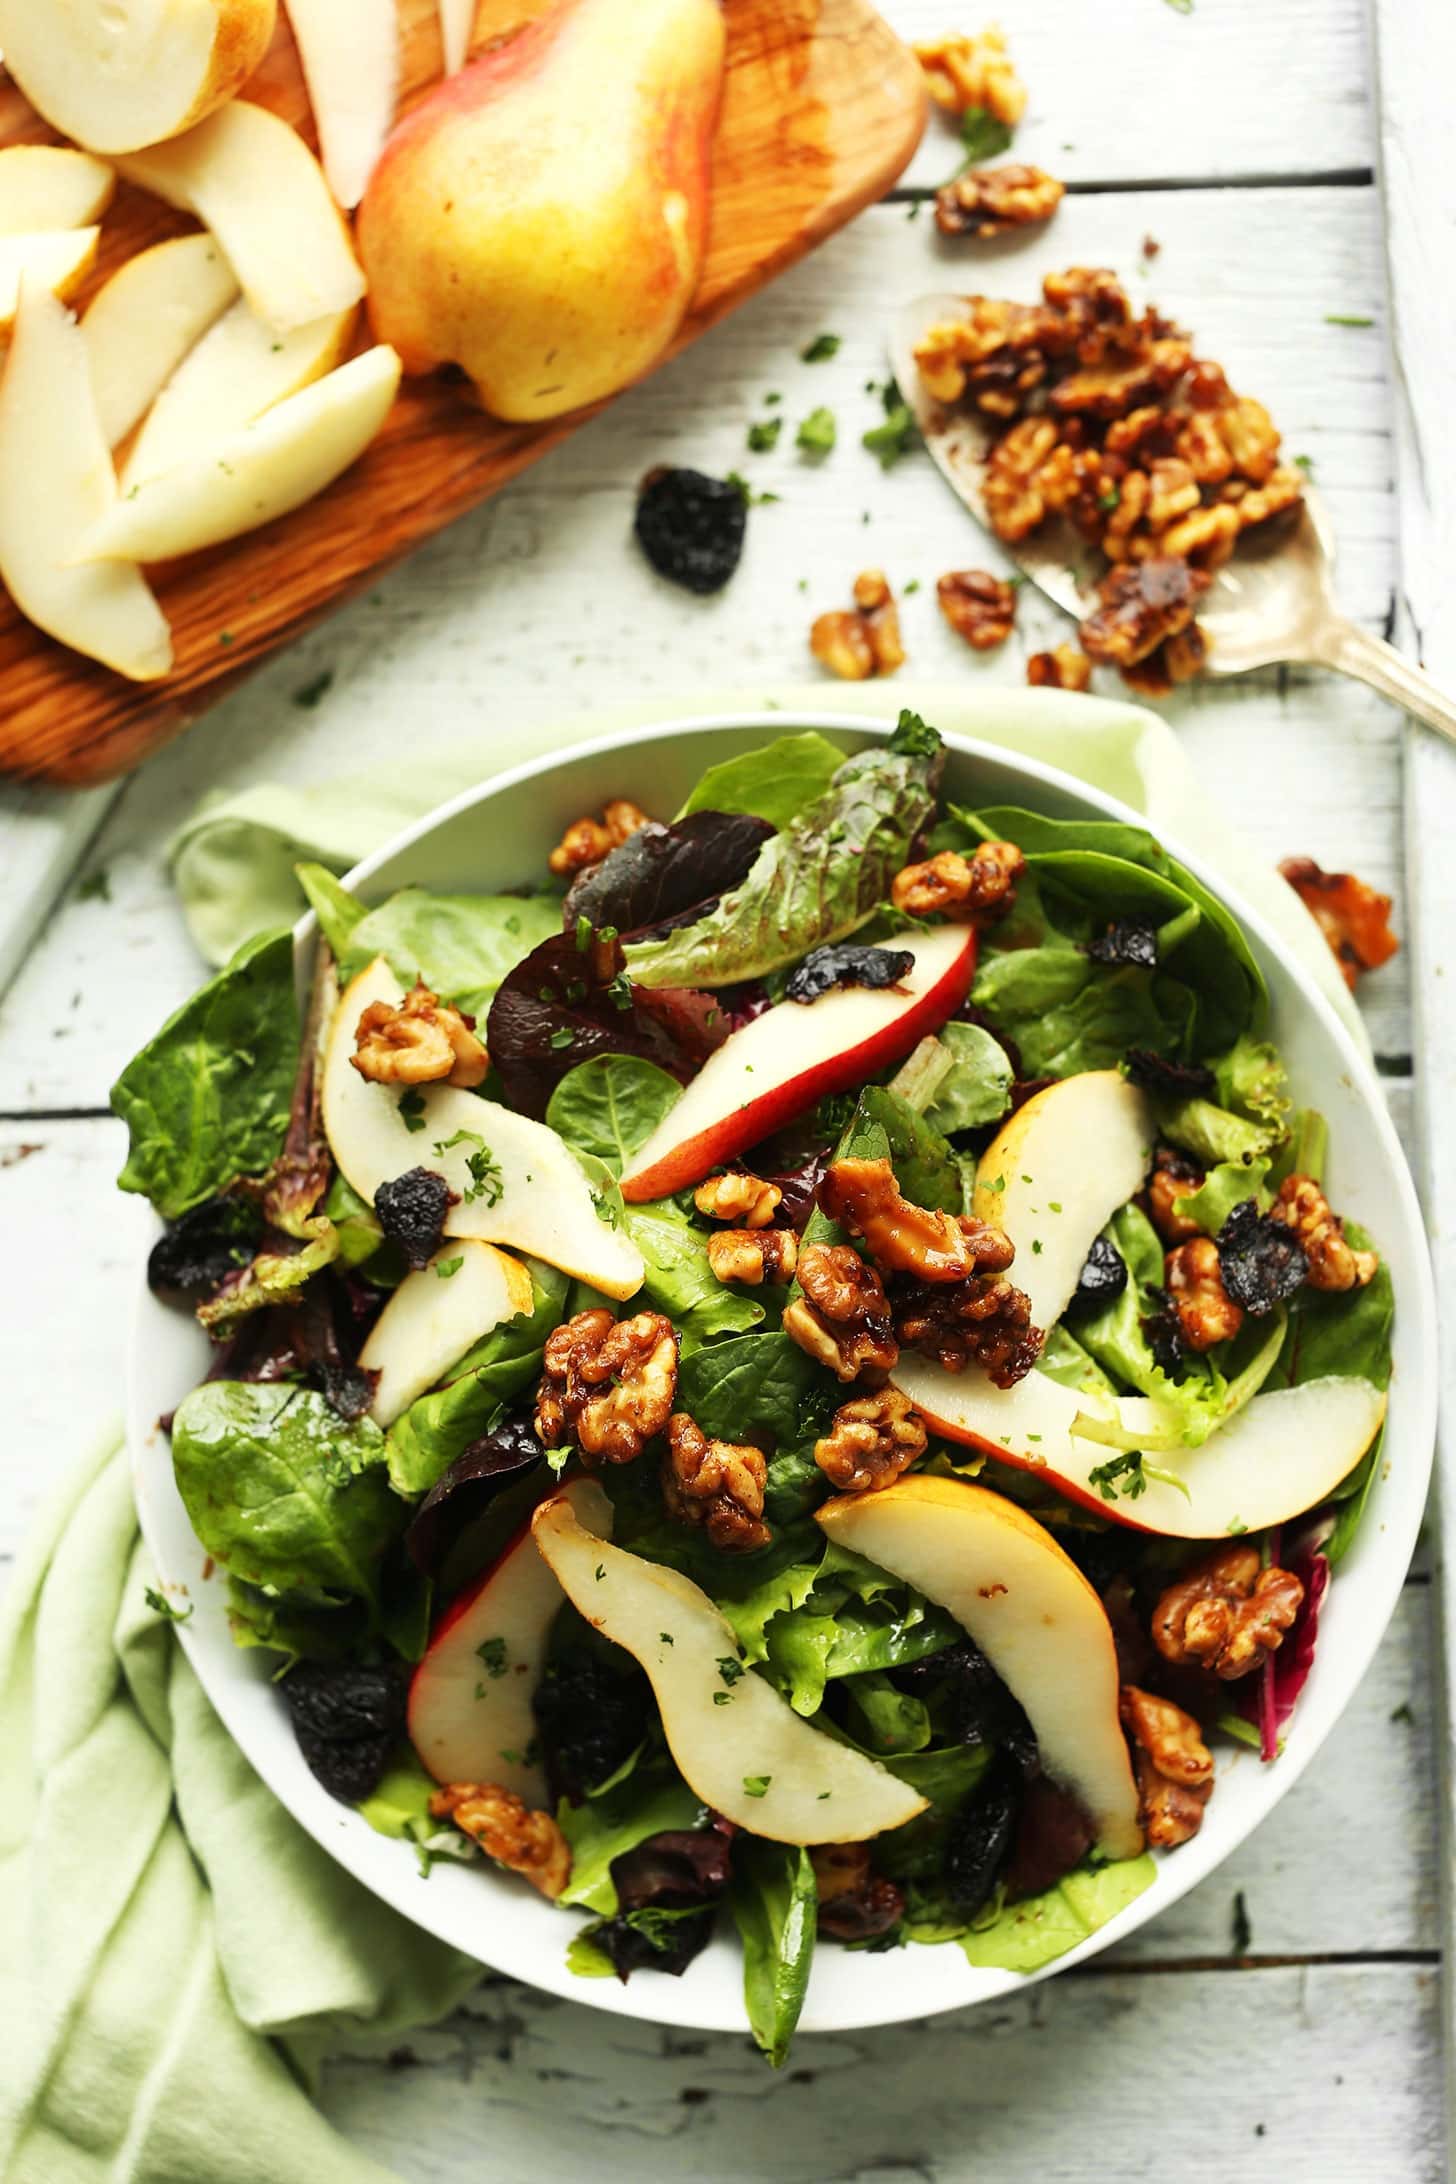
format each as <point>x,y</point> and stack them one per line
<point>175,1953</point>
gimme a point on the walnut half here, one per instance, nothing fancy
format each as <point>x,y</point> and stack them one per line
<point>1206,1312</point>
<point>903,1238</point>
<point>978,606</point>
<point>607,1384</point>
<point>843,1317</point>
<point>980,888</point>
<point>988,201</point>
<point>507,1830</point>
<point>718,1484</point>
<point>1227,1613</point>
<point>864,641</point>
<point>587,840</point>
<point>1334,1263</point>
<point>1173,1764</point>
<point>420,1040</point>
<point>870,1442</point>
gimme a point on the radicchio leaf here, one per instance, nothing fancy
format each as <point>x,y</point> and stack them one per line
<point>1285,1673</point>
<point>497,1460</point>
<point>668,1889</point>
<point>663,874</point>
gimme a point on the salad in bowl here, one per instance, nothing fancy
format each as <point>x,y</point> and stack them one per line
<point>798,1376</point>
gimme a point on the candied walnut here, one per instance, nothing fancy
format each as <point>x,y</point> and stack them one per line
<point>1247,431</point>
<point>753,1256</point>
<point>1227,1614</point>
<point>1177,660</point>
<point>1015,504</point>
<point>586,841</point>
<point>855,1903</point>
<point>1143,436</point>
<point>718,1484</point>
<point>983,1321</point>
<point>419,1040</point>
<point>843,1317</point>
<point>1174,1176</point>
<point>507,1830</point>
<point>981,888</point>
<point>1172,491</point>
<point>1353,917</point>
<point>870,1441</point>
<point>989,200</point>
<point>1257,504</point>
<point>1063,668</point>
<point>1334,1263</point>
<point>961,73</point>
<point>864,641</point>
<point>1106,392</point>
<point>735,1197</point>
<point>1174,1767</point>
<point>1206,1312</point>
<point>1139,605</point>
<point>1201,446</point>
<point>1206,537</point>
<point>978,606</point>
<point>607,1384</point>
<point>903,1238</point>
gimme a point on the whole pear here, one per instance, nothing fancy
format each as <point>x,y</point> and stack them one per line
<point>539,219</point>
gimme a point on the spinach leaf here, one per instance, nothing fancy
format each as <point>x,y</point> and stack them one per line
<point>775,782</point>
<point>611,1105</point>
<point>337,911</point>
<point>461,946</point>
<point>284,1492</point>
<point>883,1719</point>
<point>775,1907</point>
<point>679,1279</point>
<point>946,1778</point>
<point>298,1629</point>
<point>1223,1188</point>
<point>1215,1135</point>
<point>799,1644</point>
<point>959,1081</point>
<point>752,1384</point>
<point>1023,1936</point>
<point>1340,1334</point>
<point>1067,1014</point>
<point>425,1441</point>
<point>208,1098</point>
<point>819,879</point>
<point>605,1827</point>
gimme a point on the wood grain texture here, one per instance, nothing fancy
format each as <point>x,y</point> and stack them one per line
<point>822,107</point>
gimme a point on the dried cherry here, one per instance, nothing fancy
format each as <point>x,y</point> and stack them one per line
<point>1103,1277</point>
<point>590,1718</point>
<point>203,1247</point>
<point>691,527</point>
<point>668,1889</point>
<point>1132,941</point>
<point>1167,1080</point>
<point>347,1720</point>
<point>844,963</point>
<point>978,1840</point>
<point>411,1211</point>
<point>1262,1261</point>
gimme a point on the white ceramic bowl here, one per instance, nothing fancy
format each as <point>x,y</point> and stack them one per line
<point>497,837</point>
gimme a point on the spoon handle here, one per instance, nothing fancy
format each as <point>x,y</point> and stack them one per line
<point>1353,651</point>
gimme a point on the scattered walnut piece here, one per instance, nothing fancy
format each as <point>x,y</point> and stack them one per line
<point>903,1238</point>
<point>1139,604</point>
<point>586,841</point>
<point>964,72</point>
<point>978,606</point>
<point>988,201</point>
<point>1354,917</point>
<point>855,1903</point>
<point>753,1256</point>
<point>1174,1767</point>
<point>718,1484</point>
<point>420,1040</point>
<point>1334,1263</point>
<point>1227,1613</point>
<point>607,1384</point>
<point>980,888</point>
<point>1064,668</point>
<point>529,1843</point>
<point>870,1441</point>
<point>864,641</point>
<point>843,1317</point>
<point>735,1197</point>
<point>1174,1176</point>
<point>1206,1312</point>
<point>984,1321</point>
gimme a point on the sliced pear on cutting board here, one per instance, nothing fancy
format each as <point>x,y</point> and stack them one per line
<point>116,74</point>
<point>438,1313</point>
<point>236,373</point>
<point>46,186</point>
<point>1032,1613</point>
<point>254,182</point>
<point>529,1194</point>
<point>350,55</point>
<point>257,473</point>
<point>140,326</point>
<point>60,262</point>
<point>56,483</point>
<point>753,1759</point>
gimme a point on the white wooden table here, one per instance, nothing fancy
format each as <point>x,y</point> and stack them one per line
<point>1284,2022</point>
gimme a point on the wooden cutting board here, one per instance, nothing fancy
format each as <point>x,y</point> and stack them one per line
<point>822,109</point>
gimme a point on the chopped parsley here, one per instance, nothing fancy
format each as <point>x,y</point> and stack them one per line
<point>1127,1468</point>
<point>492,1653</point>
<point>412,1109</point>
<point>750,498</point>
<point>666,1638</point>
<point>764,434</point>
<point>1347,318</point>
<point>167,1609</point>
<point>820,349</point>
<point>898,434</point>
<point>983,137</point>
<point>486,1179</point>
<point>562,1038</point>
<point>449,1268</point>
<point>312,694</point>
<point>756,1785</point>
<point>722,1698</point>
<point>816,434</point>
<point>730,1669</point>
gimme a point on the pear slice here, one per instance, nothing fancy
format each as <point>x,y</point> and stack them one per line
<point>529,1193</point>
<point>350,55</point>
<point>1284,1452</point>
<point>56,482</point>
<point>470,1716</point>
<point>254,182</point>
<point>255,474</point>
<point>753,1758</point>
<point>1032,1613</point>
<point>45,186</point>
<point>59,261</point>
<point>140,326</point>
<point>236,373</point>
<point>457,28</point>
<point>436,1315</point>
<point>116,74</point>
<point>1056,1172</point>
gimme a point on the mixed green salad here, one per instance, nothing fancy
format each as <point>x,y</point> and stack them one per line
<point>801,1370</point>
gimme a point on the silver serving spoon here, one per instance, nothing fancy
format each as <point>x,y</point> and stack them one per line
<point>1273,602</point>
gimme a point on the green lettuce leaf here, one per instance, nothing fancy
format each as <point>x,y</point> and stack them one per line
<point>1252,1081</point>
<point>1216,1136</point>
<point>282,1491</point>
<point>1343,1334</point>
<point>359,1233</point>
<point>208,1098</point>
<point>775,782</point>
<point>461,946</point>
<point>960,1081</point>
<point>611,1105</point>
<point>775,1907</point>
<point>1024,1936</point>
<point>337,911</point>
<point>1223,1188</point>
<point>424,1442</point>
<point>603,1828</point>
<point>822,877</point>
<point>679,1279</point>
<point>885,1720</point>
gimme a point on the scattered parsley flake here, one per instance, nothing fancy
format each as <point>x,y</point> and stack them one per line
<point>492,1651</point>
<point>557,1460</point>
<point>817,433</point>
<point>448,1268</point>
<point>601,1571</point>
<point>96,887</point>
<point>412,1109</point>
<point>666,1637</point>
<point>1128,1468</point>
<point>983,137</point>
<point>1236,1528</point>
<point>820,349</point>
<point>763,435</point>
<point>1400,1713</point>
<point>912,586</point>
<point>730,1668</point>
<point>161,1605</point>
<point>1243,1932</point>
<point>1348,318</point>
<point>1054,1205</point>
<point>756,1785</point>
<point>562,1038</point>
<point>313,693</point>
<point>898,434</point>
<point>750,498</point>
<point>1179,7</point>
<point>722,1698</point>
<point>1305,463</point>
